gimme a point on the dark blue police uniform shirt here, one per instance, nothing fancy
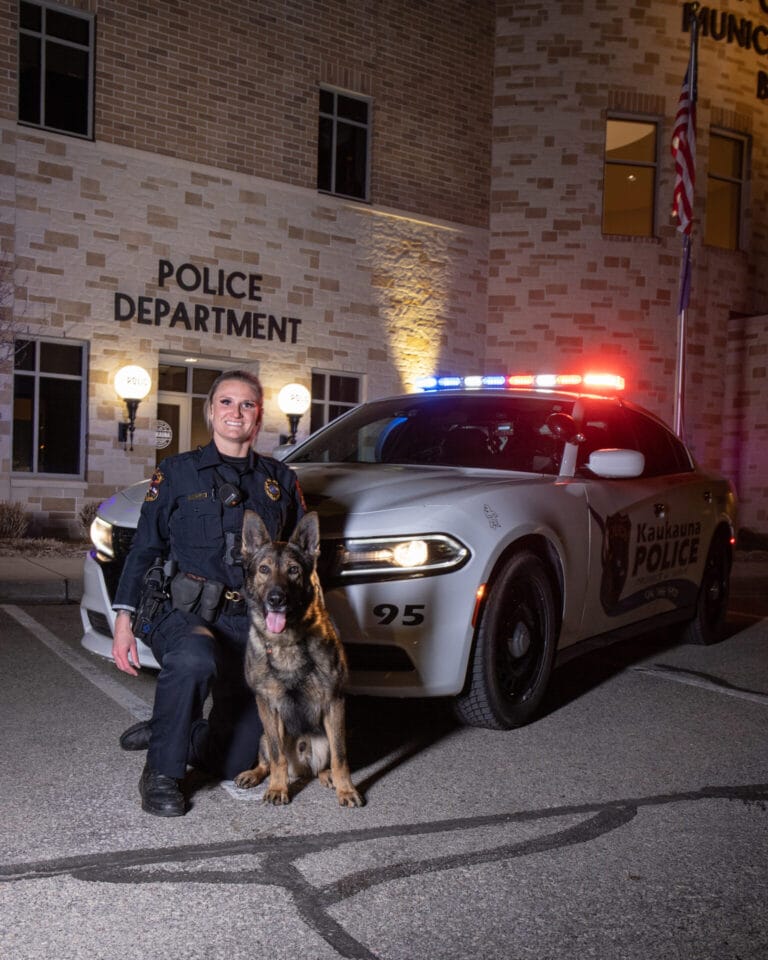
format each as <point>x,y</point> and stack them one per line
<point>183,516</point>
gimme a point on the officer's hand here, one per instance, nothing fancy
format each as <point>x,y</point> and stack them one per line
<point>124,648</point>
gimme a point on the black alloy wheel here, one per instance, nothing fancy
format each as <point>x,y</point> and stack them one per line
<point>514,648</point>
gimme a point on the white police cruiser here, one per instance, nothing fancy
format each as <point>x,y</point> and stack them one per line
<point>473,530</point>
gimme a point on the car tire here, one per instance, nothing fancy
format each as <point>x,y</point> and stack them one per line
<point>706,627</point>
<point>514,648</point>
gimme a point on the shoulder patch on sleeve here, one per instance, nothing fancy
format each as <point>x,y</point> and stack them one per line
<point>154,486</point>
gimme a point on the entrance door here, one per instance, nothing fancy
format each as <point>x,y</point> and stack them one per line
<point>173,425</point>
<point>182,389</point>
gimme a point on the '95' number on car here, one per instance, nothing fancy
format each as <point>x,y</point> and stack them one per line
<point>409,616</point>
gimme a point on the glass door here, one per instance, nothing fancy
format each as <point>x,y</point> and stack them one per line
<point>172,430</point>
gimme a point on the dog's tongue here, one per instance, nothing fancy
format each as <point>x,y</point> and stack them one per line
<point>275,622</point>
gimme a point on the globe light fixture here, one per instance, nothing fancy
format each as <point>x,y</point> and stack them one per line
<point>132,384</point>
<point>293,400</point>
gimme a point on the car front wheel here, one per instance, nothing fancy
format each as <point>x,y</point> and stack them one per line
<point>514,648</point>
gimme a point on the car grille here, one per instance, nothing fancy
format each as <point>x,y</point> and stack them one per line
<point>122,538</point>
<point>99,623</point>
<point>377,658</point>
<point>328,561</point>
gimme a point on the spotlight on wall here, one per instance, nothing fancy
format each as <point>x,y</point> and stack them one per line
<point>294,401</point>
<point>132,384</point>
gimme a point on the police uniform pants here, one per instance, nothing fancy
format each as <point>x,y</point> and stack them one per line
<point>196,659</point>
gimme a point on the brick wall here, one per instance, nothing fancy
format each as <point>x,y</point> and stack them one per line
<point>560,291</point>
<point>206,119</point>
<point>374,293</point>
<point>234,85</point>
<point>744,422</point>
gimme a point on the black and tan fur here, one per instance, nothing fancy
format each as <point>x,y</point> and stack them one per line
<point>294,664</point>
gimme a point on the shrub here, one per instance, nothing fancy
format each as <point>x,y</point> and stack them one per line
<point>14,520</point>
<point>86,517</point>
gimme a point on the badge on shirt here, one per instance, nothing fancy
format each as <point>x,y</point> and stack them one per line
<point>272,489</point>
<point>154,486</point>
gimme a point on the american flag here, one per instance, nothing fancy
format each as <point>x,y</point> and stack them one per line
<point>684,151</point>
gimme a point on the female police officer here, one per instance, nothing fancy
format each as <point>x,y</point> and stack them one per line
<point>193,513</point>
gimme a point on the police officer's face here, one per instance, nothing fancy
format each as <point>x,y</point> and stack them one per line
<point>235,417</point>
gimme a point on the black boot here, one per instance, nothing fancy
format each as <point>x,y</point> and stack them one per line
<point>160,795</point>
<point>137,736</point>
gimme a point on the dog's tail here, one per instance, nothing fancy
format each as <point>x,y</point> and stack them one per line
<point>313,753</point>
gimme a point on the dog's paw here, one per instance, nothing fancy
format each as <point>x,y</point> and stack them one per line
<point>325,778</point>
<point>250,778</point>
<point>277,798</point>
<point>350,798</point>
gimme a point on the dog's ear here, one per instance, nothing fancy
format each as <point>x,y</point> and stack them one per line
<point>255,534</point>
<point>306,536</point>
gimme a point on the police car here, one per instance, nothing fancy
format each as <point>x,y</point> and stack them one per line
<point>474,530</point>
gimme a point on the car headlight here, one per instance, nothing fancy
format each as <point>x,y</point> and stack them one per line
<point>101,537</point>
<point>399,556</point>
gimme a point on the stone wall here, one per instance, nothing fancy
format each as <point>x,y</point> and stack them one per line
<point>560,292</point>
<point>744,424</point>
<point>341,286</point>
<point>234,85</point>
<point>204,154</point>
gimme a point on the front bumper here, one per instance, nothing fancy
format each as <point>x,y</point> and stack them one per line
<point>98,617</point>
<point>406,638</point>
<point>403,638</point>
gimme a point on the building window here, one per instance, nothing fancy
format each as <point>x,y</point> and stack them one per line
<point>181,392</point>
<point>343,144</point>
<point>48,407</point>
<point>333,394</point>
<point>55,68</point>
<point>629,178</point>
<point>725,183</point>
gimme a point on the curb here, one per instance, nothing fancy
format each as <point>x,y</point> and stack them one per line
<point>41,591</point>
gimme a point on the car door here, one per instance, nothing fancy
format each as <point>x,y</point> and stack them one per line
<point>649,535</point>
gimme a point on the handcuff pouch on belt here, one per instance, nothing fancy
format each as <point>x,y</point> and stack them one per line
<point>194,594</point>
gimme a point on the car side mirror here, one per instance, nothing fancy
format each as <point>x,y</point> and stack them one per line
<point>616,464</point>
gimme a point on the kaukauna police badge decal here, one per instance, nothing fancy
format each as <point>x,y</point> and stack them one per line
<point>623,561</point>
<point>154,486</point>
<point>272,489</point>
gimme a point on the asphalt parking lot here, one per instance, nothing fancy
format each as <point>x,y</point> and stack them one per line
<point>629,821</point>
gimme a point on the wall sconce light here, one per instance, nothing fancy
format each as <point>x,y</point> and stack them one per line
<point>294,401</point>
<point>132,384</point>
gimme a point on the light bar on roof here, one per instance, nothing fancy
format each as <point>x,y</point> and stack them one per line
<point>535,381</point>
<point>610,380</point>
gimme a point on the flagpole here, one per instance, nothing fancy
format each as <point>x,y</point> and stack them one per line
<point>681,338</point>
<point>686,223</point>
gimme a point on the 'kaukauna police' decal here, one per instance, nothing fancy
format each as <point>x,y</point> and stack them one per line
<point>658,548</point>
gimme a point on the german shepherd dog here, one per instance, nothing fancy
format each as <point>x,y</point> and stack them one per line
<point>294,664</point>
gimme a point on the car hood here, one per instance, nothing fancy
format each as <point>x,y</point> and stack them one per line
<point>123,507</point>
<point>356,499</point>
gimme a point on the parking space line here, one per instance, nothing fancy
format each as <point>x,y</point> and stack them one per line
<point>676,675</point>
<point>137,707</point>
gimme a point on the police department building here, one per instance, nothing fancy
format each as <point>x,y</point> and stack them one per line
<point>353,195</point>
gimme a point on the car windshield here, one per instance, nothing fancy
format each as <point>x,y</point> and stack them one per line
<point>491,431</point>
